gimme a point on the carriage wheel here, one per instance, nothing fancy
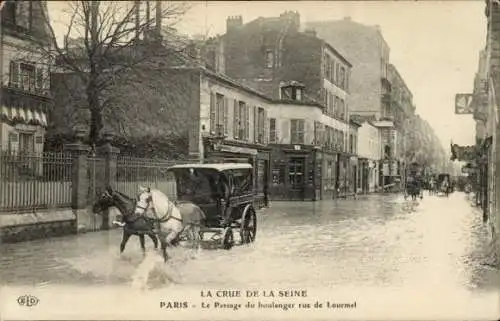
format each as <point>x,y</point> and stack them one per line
<point>228,239</point>
<point>248,230</point>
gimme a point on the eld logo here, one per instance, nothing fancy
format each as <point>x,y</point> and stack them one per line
<point>27,300</point>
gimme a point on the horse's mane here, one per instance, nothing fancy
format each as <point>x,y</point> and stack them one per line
<point>160,201</point>
<point>125,199</point>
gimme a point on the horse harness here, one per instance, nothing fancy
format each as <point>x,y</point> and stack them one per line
<point>166,217</point>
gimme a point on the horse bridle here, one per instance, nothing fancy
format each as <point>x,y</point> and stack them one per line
<point>165,218</point>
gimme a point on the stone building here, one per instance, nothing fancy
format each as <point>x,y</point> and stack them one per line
<point>369,85</point>
<point>266,52</point>
<point>487,115</point>
<point>25,88</point>
<point>366,49</point>
<point>400,109</point>
<point>306,148</point>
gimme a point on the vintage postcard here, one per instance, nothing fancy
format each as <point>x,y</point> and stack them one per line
<point>258,160</point>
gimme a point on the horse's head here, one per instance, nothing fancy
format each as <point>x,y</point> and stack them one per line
<point>104,201</point>
<point>144,200</point>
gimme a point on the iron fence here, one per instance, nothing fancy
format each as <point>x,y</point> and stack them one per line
<point>30,181</point>
<point>131,173</point>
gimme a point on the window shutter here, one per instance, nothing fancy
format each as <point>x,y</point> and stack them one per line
<point>226,116</point>
<point>247,123</point>
<point>276,130</point>
<point>236,118</point>
<point>39,78</point>
<point>255,125</point>
<point>212,113</point>
<point>14,73</point>
<point>266,127</point>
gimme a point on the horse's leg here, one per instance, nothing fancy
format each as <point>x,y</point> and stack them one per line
<point>143,243</point>
<point>125,237</point>
<point>153,237</point>
<point>164,249</point>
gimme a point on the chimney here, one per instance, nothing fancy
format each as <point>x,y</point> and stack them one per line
<point>234,23</point>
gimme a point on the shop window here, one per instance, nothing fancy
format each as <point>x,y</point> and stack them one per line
<point>278,175</point>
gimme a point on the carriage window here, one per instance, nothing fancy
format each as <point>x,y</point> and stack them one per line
<point>242,182</point>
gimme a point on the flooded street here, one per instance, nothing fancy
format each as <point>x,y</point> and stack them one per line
<point>373,241</point>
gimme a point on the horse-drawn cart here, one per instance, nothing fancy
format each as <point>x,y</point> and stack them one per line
<point>413,181</point>
<point>444,184</point>
<point>225,193</point>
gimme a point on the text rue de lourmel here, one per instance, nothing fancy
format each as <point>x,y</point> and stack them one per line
<point>283,299</point>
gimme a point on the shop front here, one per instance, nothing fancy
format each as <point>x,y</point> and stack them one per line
<point>296,173</point>
<point>329,175</point>
<point>343,184</point>
<point>256,155</point>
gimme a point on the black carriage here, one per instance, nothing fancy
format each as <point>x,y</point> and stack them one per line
<point>225,193</point>
<point>414,180</point>
<point>444,184</point>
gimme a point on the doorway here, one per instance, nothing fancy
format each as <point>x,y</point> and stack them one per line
<point>296,178</point>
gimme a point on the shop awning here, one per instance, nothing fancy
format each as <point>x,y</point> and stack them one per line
<point>22,115</point>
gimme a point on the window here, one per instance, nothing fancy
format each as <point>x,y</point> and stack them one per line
<point>337,106</point>
<point>278,175</point>
<point>261,118</point>
<point>296,172</point>
<point>342,109</point>
<point>220,115</point>
<point>243,125</point>
<point>342,78</point>
<point>297,131</point>
<point>328,68</point>
<point>331,105</point>
<point>26,143</point>
<point>28,79</point>
<point>351,144</point>
<point>272,131</point>
<point>269,59</point>
<point>14,74</point>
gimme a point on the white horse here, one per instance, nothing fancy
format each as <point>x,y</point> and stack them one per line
<point>170,220</point>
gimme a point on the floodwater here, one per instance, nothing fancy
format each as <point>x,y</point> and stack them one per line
<point>371,241</point>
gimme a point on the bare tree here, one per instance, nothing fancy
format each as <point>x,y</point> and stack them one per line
<point>115,43</point>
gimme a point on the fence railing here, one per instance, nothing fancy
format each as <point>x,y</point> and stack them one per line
<point>131,173</point>
<point>34,181</point>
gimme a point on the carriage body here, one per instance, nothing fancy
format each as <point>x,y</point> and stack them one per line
<point>441,179</point>
<point>225,193</point>
<point>414,179</point>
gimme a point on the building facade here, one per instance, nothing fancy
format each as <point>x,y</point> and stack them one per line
<point>370,155</point>
<point>486,116</point>
<point>370,88</point>
<point>311,159</point>
<point>266,52</point>
<point>25,96</point>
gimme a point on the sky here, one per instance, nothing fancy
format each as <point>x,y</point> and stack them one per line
<point>434,44</point>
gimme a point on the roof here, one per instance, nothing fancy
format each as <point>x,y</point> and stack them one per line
<point>216,166</point>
